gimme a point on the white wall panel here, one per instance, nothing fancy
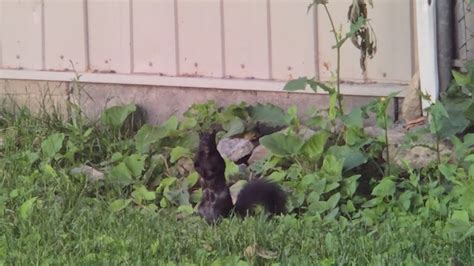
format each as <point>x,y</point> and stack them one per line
<point>200,38</point>
<point>109,36</point>
<point>391,21</point>
<point>292,39</point>
<point>246,39</point>
<point>64,35</point>
<point>154,38</point>
<point>21,34</point>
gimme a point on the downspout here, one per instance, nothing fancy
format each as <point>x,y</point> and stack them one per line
<point>427,49</point>
<point>445,41</point>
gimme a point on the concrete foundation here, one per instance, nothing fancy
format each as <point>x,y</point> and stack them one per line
<point>158,102</point>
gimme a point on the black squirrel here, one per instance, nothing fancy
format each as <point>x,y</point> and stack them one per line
<point>216,201</point>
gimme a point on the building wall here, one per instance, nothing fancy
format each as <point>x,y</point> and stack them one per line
<point>269,40</point>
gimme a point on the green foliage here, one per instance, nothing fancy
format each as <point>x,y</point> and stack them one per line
<point>149,175</point>
<point>115,116</point>
<point>52,145</point>
<point>282,144</point>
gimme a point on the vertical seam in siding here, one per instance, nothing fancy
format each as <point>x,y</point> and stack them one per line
<point>315,33</point>
<point>86,36</point>
<point>176,37</point>
<point>269,41</point>
<point>43,41</point>
<point>132,56</point>
<point>222,33</point>
<point>412,37</point>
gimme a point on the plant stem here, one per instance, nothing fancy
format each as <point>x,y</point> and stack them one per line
<point>338,55</point>
<point>387,146</point>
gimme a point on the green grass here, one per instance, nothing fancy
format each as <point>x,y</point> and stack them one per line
<point>88,233</point>
<point>71,222</point>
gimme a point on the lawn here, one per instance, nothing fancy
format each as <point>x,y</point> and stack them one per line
<point>50,216</point>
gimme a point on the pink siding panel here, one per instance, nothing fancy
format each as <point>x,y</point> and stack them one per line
<point>200,42</point>
<point>109,36</point>
<point>64,35</point>
<point>246,39</point>
<point>20,31</point>
<point>292,39</point>
<point>154,38</point>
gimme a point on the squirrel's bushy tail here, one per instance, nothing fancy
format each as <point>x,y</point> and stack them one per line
<point>261,192</point>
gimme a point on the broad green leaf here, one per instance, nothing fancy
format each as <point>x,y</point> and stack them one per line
<point>331,215</point>
<point>457,121</point>
<point>171,124</point>
<point>354,135</point>
<point>25,209</point>
<point>186,209</point>
<point>333,200</point>
<point>438,113</point>
<point>318,207</point>
<point>460,215</point>
<point>166,183</point>
<point>277,176</point>
<point>354,28</point>
<point>121,175</point>
<point>192,179</point>
<point>179,152</point>
<point>141,193</point>
<point>52,145</point>
<point>148,135</point>
<point>230,168</point>
<point>467,199</point>
<point>115,116</point>
<point>371,203</point>
<point>313,197</point>
<point>314,85</point>
<point>352,157</point>
<point>461,79</point>
<point>296,84</point>
<point>118,205</point>
<point>405,199</point>
<point>187,123</point>
<point>234,127</point>
<point>350,185</point>
<point>469,113</point>
<point>268,114</point>
<point>386,187</point>
<point>281,144</point>
<point>354,118</point>
<point>331,187</point>
<point>332,167</point>
<point>135,163</point>
<point>314,146</point>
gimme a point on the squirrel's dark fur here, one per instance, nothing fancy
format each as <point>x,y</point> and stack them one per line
<point>216,201</point>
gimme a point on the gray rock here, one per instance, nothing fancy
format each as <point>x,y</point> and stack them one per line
<point>259,153</point>
<point>235,189</point>
<point>235,149</point>
<point>419,157</point>
<point>92,174</point>
<point>411,108</point>
<point>306,132</point>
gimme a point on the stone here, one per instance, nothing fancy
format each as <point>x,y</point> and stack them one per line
<point>259,153</point>
<point>306,132</point>
<point>419,157</point>
<point>235,189</point>
<point>185,166</point>
<point>411,107</point>
<point>92,174</point>
<point>235,149</point>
